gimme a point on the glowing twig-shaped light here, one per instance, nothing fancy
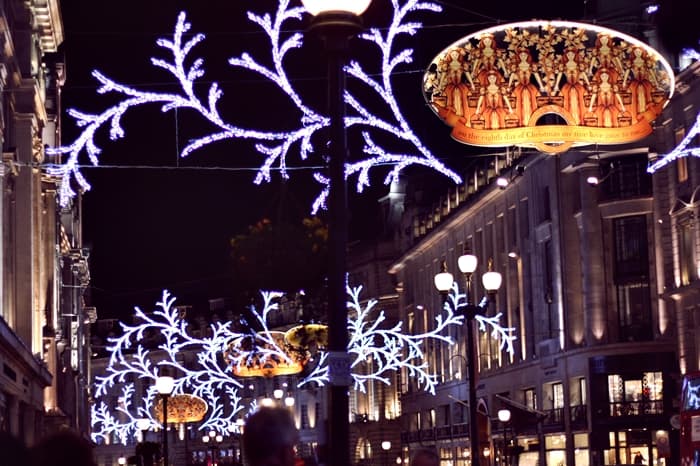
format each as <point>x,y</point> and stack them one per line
<point>389,349</point>
<point>458,300</point>
<point>273,144</point>
<point>681,150</point>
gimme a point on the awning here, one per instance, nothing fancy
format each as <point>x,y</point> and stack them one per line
<point>521,407</point>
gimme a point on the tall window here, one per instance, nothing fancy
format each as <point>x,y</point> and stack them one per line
<point>546,213</point>
<point>631,278</point>
<point>682,169</point>
<point>557,395</point>
<point>686,257</point>
<point>625,178</point>
<point>530,398</point>
<point>681,163</point>
<point>304,412</point>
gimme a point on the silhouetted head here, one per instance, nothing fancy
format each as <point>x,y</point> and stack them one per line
<point>13,451</point>
<point>64,448</point>
<point>269,437</point>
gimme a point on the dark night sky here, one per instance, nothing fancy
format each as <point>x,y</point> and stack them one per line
<point>167,223</point>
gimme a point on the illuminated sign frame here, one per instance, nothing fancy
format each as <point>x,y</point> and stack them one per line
<point>496,87</point>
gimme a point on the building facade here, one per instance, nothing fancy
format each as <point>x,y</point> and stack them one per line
<point>599,281</point>
<point>42,354</point>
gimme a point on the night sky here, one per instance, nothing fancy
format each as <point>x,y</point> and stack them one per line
<point>154,220</point>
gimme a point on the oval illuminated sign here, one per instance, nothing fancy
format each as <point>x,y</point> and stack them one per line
<point>549,85</point>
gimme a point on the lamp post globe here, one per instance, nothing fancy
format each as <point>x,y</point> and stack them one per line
<point>467,263</point>
<point>504,415</point>
<point>492,281</point>
<point>316,7</point>
<point>165,384</point>
<point>443,280</point>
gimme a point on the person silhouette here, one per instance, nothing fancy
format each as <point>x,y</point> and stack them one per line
<point>64,448</point>
<point>269,437</point>
<point>13,450</point>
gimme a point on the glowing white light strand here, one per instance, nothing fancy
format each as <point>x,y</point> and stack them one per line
<point>681,150</point>
<point>275,146</point>
<point>400,129</point>
<point>691,54</point>
<point>458,300</point>
<point>208,380</point>
<point>389,349</point>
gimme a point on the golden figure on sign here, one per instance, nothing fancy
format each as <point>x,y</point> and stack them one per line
<point>606,105</point>
<point>642,82</point>
<point>575,85</point>
<point>456,76</point>
<point>524,91</point>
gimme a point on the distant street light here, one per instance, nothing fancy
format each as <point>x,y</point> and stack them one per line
<point>143,425</point>
<point>467,264</point>
<point>386,446</point>
<point>164,387</point>
<point>504,416</point>
<point>336,21</point>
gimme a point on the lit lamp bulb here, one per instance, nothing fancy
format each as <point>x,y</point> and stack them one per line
<point>444,279</point>
<point>491,280</point>
<point>592,180</point>
<point>356,7</point>
<point>504,415</point>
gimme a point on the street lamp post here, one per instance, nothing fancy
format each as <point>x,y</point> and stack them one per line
<point>164,387</point>
<point>386,446</point>
<point>504,417</point>
<point>214,440</point>
<point>492,282</point>
<point>336,21</point>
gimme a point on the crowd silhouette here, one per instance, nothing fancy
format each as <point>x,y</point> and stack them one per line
<point>64,448</point>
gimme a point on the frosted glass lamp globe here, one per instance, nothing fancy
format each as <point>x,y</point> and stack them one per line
<point>355,7</point>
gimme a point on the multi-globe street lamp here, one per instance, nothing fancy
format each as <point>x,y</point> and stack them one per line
<point>214,440</point>
<point>336,21</point>
<point>164,387</point>
<point>491,280</point>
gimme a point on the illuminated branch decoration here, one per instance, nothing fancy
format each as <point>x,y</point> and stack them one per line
<point>389,349</point>
<point>458,300</point>
<point>274,145</point>
<point>681,150</point>
<point>132,361</point>
<point>136,359</point>
<point>691,54</point>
